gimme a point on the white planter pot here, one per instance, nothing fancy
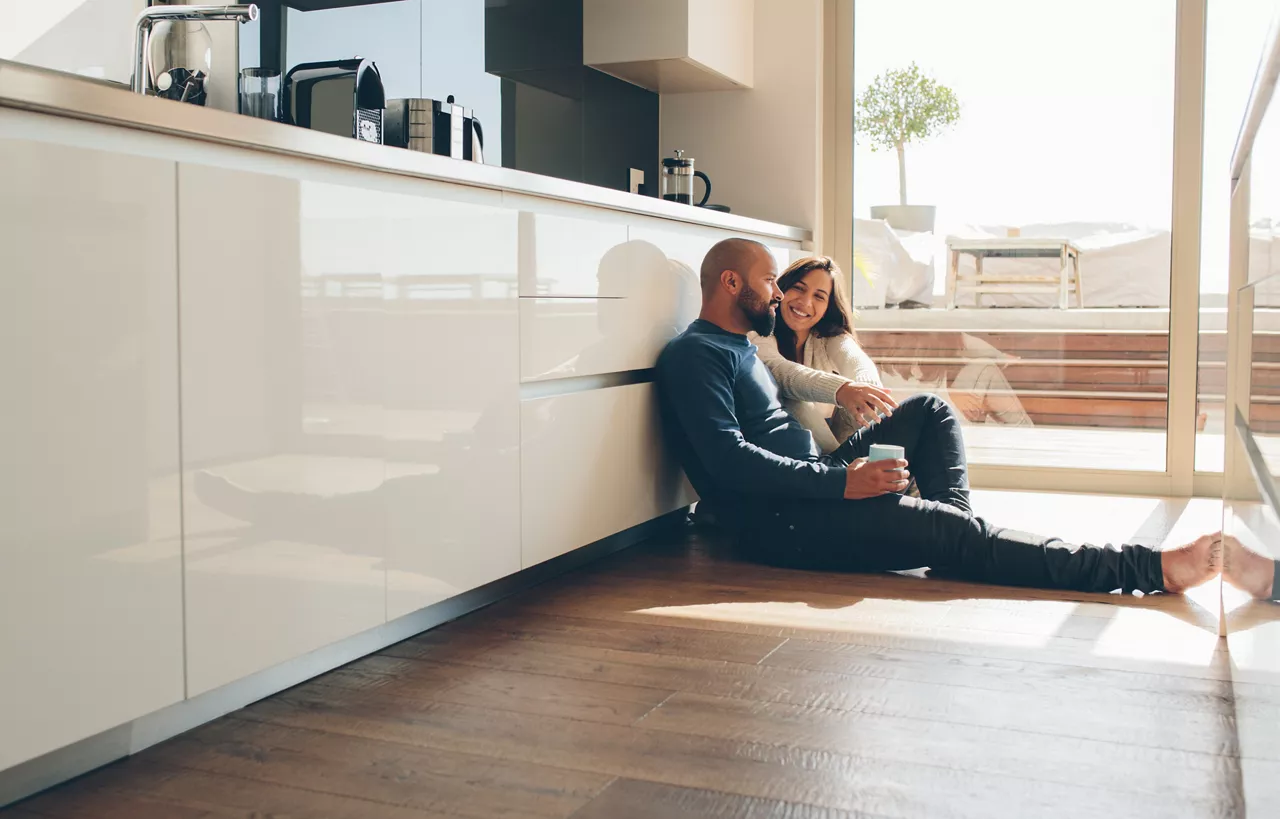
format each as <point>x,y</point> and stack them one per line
<point>917,218</point>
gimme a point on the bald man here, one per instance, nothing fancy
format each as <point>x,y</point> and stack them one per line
<point>791,506</point>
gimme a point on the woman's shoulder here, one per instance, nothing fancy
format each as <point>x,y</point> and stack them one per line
<point>768,343</point>
<point>840,343</point>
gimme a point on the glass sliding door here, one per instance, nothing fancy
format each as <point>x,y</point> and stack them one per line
<point>1234,37</point>
<point>1012,245</point>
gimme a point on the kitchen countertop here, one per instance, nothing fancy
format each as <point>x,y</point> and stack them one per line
<point>50,92</point>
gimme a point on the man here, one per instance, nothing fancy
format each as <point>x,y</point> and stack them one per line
<point>787,505</point>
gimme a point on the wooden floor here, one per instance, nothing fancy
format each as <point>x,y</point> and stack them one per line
<point>674,681</point>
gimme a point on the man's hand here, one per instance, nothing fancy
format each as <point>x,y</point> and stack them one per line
<point>870,479</point>
<point>865,402</point>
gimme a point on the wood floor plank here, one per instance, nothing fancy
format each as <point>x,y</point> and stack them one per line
<point>1200,659</point>
<point>900,777</point>
<point>422,778</point>
<point>1139,718</point>
<point>696,566</point>
<point>500,689</point>
<point>1181,693</point>
<point>993,751</point>
<point>655,639</point>
<point>138,789</point>
<point>993,673</point>
<point>636,799</point>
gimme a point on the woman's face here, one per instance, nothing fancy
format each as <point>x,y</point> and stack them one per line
<point>805,302</point>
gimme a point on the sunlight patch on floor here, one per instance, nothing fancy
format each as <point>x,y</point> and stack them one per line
<point>1027,626</point>
<point>1158,636</point>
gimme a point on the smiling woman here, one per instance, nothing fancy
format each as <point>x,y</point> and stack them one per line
<point>814,350</point>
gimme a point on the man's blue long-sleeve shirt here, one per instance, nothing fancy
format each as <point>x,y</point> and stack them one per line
<point>724,417</point>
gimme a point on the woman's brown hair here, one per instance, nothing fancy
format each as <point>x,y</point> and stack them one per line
<point>838,318</point>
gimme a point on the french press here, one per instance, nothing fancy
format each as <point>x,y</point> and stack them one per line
<point>677,180</point>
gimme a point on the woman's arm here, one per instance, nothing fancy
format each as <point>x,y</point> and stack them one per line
<point>797,381</point>
<point>852,361</point>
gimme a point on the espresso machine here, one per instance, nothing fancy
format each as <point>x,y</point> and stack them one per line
<point>342,97</point>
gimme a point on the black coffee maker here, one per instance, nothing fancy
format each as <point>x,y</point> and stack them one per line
<point>343,97</point>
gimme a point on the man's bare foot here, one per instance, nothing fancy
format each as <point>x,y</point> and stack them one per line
<point>1189,566</point>
<point>1247,570</point>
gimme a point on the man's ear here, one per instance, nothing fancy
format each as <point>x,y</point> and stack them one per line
<point>731,281</point>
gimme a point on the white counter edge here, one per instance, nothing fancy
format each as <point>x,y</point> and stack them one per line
<point>51,92</point>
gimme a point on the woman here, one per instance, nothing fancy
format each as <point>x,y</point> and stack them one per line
<point>814,352</point>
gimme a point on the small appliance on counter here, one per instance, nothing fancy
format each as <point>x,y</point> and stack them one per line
<point>677,180</point>
<point>435,127</point>
<point>342,97</point>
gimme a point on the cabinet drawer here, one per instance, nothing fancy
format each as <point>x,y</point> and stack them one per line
<point>593,464</point>
<point>562,338</point>
<point>572,257</point>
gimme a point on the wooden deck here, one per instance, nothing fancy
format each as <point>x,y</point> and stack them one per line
<point>1069,378</point>
<point>675,681</point>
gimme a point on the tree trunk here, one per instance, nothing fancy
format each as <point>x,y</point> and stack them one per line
<point>902,174</point>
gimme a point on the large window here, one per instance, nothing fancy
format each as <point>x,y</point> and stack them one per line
<point>1235,34</point>
<point>1027,277</point>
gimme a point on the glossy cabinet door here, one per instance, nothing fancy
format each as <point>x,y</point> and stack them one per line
<point>571,252</point>
<point>90,561</point>
<point>451,381</point>
<point>593,464</point>
<point>282,334</point>
<point>645,298</point>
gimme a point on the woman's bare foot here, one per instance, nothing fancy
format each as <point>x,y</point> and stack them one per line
<point>1247,570</point>
<point>1189,566</point>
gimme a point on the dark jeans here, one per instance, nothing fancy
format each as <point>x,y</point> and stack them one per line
<point>894,532</point>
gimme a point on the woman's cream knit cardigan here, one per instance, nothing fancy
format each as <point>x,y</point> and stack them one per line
<point>809,388</point>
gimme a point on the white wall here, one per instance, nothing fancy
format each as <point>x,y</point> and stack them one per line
<point>95,38</point>
<point>761,147</point>
<point>92,37</point>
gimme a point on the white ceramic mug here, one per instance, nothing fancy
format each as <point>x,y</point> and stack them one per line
<point>886,452</point>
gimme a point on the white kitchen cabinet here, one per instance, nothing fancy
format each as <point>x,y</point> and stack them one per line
<point>570,256</point>
<point>563,338</point>
<point>353,454</point>
<point>451,381</point>
<point>281,304</point>
<point>90,563</point>
<point>593,464</point>
<point>651,297</point>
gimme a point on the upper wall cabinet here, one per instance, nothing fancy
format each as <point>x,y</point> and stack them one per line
<point>671,46</point>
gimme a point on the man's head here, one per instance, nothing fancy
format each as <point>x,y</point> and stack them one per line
<point>740,286</point>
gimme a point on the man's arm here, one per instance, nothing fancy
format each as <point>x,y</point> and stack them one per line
<point>698,386</point>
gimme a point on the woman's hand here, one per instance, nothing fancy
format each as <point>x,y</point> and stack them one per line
<point>865,402</point>
<point>870,479</point>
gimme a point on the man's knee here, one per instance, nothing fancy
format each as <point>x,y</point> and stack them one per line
<point>926,403</point>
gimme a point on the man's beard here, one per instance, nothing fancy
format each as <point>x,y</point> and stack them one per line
<point>760,313</point>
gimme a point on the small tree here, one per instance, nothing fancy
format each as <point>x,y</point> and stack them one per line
<point>903,106</point>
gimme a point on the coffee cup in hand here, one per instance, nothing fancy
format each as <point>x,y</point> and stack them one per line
<point>886,452</point>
